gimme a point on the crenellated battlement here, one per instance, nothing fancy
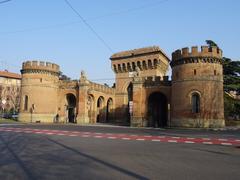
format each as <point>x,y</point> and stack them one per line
<point>157,81</point>
<point>102,88</point>
<point>205,51</point>
<point>40,65</point>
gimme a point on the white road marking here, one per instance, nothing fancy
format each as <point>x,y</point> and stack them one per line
<point>206,139</point>
<point>175,137</point>
<point>172,141</point>
<point>60,134</point>
<point>226,144</point>
<point>126,138</point>
<point>98,136</point>
<point>156,140</point>
<point>85,136</point>
<point>50,133</point>
<point>189,142</point>
<point>72,135</point>
<point>140,139</point>
<point>222,139</point>
<point>38,132</point>
<point>112,137</point>
<point>207,142</point>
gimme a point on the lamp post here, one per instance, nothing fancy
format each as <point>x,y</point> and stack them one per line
<point>31,111</point>
<point>3,107</point>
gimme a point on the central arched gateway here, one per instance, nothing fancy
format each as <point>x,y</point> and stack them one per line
<point>71,108</point>
<point>157,110</point>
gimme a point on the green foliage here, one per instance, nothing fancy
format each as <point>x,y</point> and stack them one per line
<point>211,43</point>
<point>64,77</point>
<point>231,107</point>
<point>231,72</point>
<point>231,76</point>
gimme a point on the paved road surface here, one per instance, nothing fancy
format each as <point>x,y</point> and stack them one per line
<point>88,152</point>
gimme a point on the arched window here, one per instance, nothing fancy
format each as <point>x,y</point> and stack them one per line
<point>195,72</point>
<point>195,103</point>
<point>26,103</point>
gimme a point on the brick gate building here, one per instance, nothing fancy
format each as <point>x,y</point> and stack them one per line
<point>143,96</point>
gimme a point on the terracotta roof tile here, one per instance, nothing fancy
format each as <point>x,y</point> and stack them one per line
<point>10,75</point>
<point>138,51</point>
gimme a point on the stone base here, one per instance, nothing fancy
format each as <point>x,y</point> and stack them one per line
<point>36,118</point>
<point>138,122</point>
<point>197,123</point>
<point>83,120</point>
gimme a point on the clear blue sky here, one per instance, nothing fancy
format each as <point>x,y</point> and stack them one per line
<point>50,30</point>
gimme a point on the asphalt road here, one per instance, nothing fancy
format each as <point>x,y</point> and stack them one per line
<point>38,155</point>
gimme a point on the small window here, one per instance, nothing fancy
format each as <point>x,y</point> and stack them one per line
<point>215,72</point>
<point>26,103</point>
<point>40,79</point>
<point>195,103</point>
<point>195,72</point>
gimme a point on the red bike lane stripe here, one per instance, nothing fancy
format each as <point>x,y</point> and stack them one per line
<point>170,139</point>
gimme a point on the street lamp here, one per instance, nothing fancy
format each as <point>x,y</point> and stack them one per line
<point>31,111</point>
<point>3,103</point>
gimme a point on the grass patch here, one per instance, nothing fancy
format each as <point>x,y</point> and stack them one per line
<point>232,123</point>
<point>7,121</point>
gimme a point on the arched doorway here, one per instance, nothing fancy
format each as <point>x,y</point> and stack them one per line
<point>157,110</point>
<point>109,112</point>
<point>130,101</point>
<point>100,110</point>
<point>90,104</point>
<point>71,108</point>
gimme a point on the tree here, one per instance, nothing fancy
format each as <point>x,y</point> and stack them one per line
<point>64,77</point>
<point>211,43</point>
<point>231,74</point>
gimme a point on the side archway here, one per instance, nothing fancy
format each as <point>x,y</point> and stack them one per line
<point>100,110</point>
<point>71,108</point>
<point>109,113</point>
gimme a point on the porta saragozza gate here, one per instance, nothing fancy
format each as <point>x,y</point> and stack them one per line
<point>142,96</point>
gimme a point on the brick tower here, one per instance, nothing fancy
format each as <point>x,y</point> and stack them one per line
<point>39,91</point>
<point>197,88</point>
